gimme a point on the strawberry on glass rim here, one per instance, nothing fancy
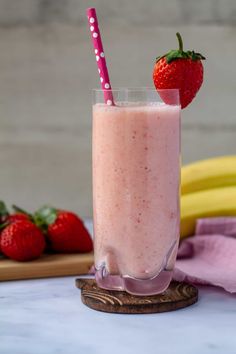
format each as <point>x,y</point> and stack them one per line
<point>179,70</point>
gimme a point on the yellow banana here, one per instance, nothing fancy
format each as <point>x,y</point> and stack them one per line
<point>207,174</point>
<point>211,202</point>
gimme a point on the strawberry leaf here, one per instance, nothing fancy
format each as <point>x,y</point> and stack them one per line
<point>176,54</point>
<point>3,211</point>
<point>45,216</point>
<point>21,211</point>
<point>195,56</point>
<point>180,53</point>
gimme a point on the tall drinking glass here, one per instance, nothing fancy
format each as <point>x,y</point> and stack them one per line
<point>136,180</point>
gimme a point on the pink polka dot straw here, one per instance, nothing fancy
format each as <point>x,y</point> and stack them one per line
<point>100,56</point>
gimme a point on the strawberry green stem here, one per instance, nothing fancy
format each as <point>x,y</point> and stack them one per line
<point>180,41</point>
<point>176,54</point>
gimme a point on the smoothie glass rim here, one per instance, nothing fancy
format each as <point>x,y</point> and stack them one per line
<point>135,89</point>
<point>139,94</point>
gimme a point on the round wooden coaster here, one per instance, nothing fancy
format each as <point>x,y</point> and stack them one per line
<point>177,296</point>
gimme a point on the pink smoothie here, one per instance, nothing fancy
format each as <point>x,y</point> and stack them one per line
<point>136,159</point>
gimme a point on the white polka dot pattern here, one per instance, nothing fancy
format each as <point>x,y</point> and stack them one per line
<point>100,56</point>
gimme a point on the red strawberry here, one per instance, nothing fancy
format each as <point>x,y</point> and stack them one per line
<point>7,218</point>
<point>0,242</point>
<point>22,241</point>
<point>65,230</point>
<point>179,70</point>
<point>10,219</point>
<point>3,218</point>
<point>17,217</point>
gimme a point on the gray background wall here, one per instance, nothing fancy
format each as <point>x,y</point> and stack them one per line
<point>47,70</point>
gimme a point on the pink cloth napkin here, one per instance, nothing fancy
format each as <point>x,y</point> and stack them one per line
<point>209,257</point>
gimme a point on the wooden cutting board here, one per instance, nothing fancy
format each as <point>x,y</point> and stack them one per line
<point>48,265</point>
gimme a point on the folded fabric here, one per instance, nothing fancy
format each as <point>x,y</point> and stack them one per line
<point>223,225</point>
<point>209,257</point>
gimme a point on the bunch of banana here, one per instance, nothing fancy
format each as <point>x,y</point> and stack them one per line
<point>208,188</point>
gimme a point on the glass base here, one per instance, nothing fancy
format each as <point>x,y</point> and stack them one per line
<point>141,287</point>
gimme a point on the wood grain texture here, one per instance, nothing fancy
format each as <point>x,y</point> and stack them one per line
<point>48,265</point>
<point>177,296</point>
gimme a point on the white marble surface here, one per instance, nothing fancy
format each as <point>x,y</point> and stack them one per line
<point>47,317</point>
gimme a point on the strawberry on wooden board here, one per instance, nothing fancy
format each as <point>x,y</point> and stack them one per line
<point>64,229</point>
<point>179,70</point>
<point>10,219</point>
<point>3,216</point>
<point>17,217</point>
<point>7,218</point>
<point>22,241</point>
